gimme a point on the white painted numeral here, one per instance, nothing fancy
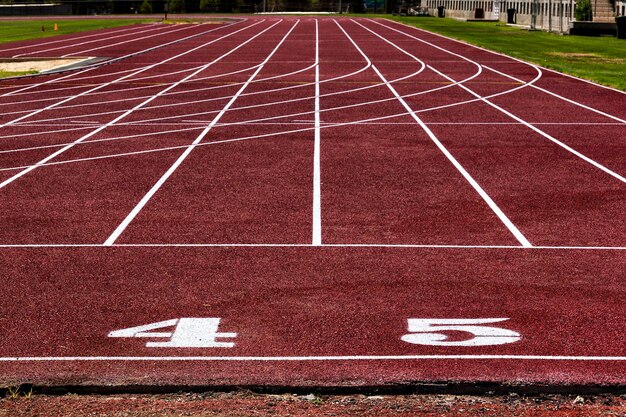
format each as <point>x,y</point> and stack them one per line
<point>188,332</point>
<point>432,332</point>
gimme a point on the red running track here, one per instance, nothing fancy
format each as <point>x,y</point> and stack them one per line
<point>312,202</point>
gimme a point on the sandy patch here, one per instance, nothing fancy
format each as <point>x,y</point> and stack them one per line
<point>35,65</point>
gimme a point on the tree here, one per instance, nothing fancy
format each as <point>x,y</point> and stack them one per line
<point>583,10</point>
<point>208,5</point>
<point>146,7</point>
<point>177,6</point>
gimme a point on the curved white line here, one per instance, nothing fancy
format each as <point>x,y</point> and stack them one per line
<point>135,26</point>
<point>217,87</point>
<point>71,45</point>
<point>20,91</point>
<point>171,86</point>
<point>124,42</point>
<point>252,106</point>
<point>251,121</point>
<point>502,110</point>
<point>576,103</point>
<point>157,186</point>
<point>121,100</point>
<point>34,112</point>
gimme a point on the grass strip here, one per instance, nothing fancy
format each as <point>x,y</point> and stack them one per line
<point>4,74</point>
<point>18,30</point>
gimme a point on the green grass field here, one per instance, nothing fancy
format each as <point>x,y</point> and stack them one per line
<point>17,30</point>
<point>600,59</point>
<point>4,74</point>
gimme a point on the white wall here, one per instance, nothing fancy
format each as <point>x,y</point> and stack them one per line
<point>562,11</point>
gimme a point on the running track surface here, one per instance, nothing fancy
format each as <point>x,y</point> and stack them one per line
<point>308,202</point>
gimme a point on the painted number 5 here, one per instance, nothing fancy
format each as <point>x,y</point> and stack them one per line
<point>432,332</point>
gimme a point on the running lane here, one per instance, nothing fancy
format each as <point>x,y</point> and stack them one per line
<point>575,199</point>
<point>248,181</point>
<point>286,316</point>
<point>30,135</point>
<point>118,52</point>
<point>384,188</point>
<point>30,46</point>
<point>88,190</point>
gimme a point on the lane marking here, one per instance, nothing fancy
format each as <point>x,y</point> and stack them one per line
<point>216,142</point>
<point>21,91</point>
<point>509,57</point>
<point>112,122</point>
<point>70,44</point>
<point>310,358</point>
<point>584,106</point>
<point>135,136</point>
<point>131,216</point>
<point>226,97</point>
<point>541,132</point>
<point>123,42</point>
<point>317,192</point>
<point>306,245</point>
<point>122,100</point>
<point>245,122</point>
<point>495,106</point>
<point>186,102</point>
<point>494,207</point>
<point>108,83</point>
<point>109,31</point>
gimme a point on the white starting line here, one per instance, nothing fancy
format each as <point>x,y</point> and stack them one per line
<point>307,358</point>
<point>302,245</point>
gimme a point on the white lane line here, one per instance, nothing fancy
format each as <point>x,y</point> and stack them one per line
<point>123,42</point>
<point>21,91</point>
<point>25,90</point>
<point>309,358</point>
<point>606,87</point>
<point>364,121</point>
<point>129,218</point>
<point>121,100</point>
<point>306,245</point>
<point>106,84</point>
<point>260,120</point>
<point>317,191</point>
<point>186,92</point>
<point>541,132</point>
<point>45,160</point>
<point>71,45</point>
<point>584,106</point>
<point>135,136</point>
<point>216,142</point>
<point>204,90</point>
<point>494,207</point>
<point>170,148</point>
<point>495,106</point>
<point>508,57</point>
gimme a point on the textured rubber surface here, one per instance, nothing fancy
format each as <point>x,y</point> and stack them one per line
<point>317,184</point>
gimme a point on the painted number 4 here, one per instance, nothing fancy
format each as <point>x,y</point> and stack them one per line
<point>432,332</point>
<point>186,332</point>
